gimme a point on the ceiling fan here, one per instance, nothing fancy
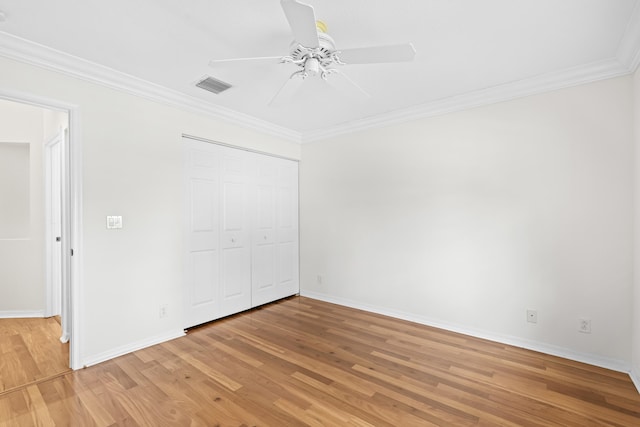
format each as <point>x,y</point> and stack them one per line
<point>315,53</point>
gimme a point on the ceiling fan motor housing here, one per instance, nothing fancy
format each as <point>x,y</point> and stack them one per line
<point>323,56</point>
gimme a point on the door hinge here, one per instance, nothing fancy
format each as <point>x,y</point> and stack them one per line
<point>58,239</point>
<point>71,252</point>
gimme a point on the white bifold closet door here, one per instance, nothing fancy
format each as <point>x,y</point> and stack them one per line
<point>241,230</point>
<point>235,238</point>
<point>275,242</point>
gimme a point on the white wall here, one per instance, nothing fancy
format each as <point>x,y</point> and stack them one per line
<point>468,220</point>
<point>131,167</point>
<point>22,289</point>
<point>636,294</point>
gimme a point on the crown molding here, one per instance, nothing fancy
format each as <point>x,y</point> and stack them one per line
<point>521,88</point>
<point>626,61</point>
<point>22,50</point>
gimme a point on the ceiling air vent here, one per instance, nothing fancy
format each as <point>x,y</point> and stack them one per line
<point>213,85</point>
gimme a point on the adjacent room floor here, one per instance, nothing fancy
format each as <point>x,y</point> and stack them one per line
<point>304,362</point>
<point>30,351</point>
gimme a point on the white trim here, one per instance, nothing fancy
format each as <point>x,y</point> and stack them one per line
<point>235,147</point>
<point>66,233</point>
<point>518,89</point>
<point>591,359</point>
<point>19,49</point>
<point>48,304</point>
<point>76,280</point>
<point>130,348</point>
<point>635,378</point>
<point>21,314</point>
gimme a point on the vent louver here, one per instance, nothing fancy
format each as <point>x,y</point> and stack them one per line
<point>213,85</point>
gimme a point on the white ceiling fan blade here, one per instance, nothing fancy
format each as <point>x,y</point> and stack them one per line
<point>287,92</point>
<point>302,21</point>
<point>256,60</point>
<point>378,54</point>
<point>344,84</point>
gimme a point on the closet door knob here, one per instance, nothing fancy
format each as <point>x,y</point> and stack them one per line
<point>233,240</point>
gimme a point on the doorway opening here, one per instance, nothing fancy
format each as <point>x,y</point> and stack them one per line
<point>40,217</point>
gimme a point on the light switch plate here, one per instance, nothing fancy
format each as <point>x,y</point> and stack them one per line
<point>114,222</point>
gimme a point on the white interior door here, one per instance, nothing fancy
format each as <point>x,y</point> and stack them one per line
<point>65,244</point>
<point>287,268</point>
<point>202,188</point>
<point>275,234</point>
<point>54,226</point>
<point>235,232</point>
<point>265,248</point>
<point>58,224</point>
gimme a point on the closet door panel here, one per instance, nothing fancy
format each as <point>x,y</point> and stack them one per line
<point>202,233</point>
<point>237,275</point>
<point>203,214</point>
<point>286,270</point>
<point>234,206</point>
<point>205,277</point>
<point>263,267</point>
<point>235,269</point>
<point>264,246</point>
<point>287,277</point>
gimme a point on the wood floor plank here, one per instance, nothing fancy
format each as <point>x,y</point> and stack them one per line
<point>303,362</point>
<point>30,350</point>
<point>381,414</point>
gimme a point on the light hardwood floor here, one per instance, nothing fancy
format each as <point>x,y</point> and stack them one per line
<point>30,351</point>
<point>306,362</point>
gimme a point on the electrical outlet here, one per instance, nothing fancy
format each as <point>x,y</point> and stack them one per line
<point>164,308</point>
<point>319,279</point>
<point>584,326</point>
<point>532,316</point>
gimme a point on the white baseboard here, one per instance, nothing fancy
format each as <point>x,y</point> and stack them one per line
<point>129,348</point>
<point>20,314</point>
<point>591,359</point>
<point>635,377</point>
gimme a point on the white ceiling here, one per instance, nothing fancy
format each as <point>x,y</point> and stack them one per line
<point>469,52</point>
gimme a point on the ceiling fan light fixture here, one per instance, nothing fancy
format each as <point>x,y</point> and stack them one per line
<point>312,66</point>
<point>321,26</point>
